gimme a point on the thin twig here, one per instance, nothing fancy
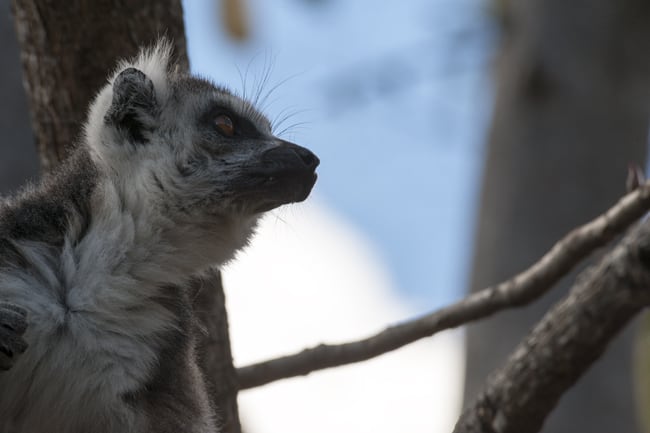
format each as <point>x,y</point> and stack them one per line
<point>519,290</point>
<point>518,397</point>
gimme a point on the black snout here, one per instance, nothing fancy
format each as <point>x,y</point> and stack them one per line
<point>310,160</point>
<point>292,156</point>
<point>284,174</point>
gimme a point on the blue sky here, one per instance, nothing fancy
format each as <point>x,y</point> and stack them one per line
<point>394,100</point>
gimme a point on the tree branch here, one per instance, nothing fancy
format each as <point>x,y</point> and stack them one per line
<point>564,344</point>
<point>519,290</point>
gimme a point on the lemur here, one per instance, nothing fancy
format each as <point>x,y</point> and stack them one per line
<point>169,178</point>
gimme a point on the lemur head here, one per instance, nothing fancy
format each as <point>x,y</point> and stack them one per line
<point>193,149</point>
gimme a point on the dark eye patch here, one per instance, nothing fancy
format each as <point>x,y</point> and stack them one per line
<point>242,126</point>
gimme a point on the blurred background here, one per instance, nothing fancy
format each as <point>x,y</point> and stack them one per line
<point>459,139</point>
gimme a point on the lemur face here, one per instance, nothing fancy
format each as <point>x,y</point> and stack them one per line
<point>203,148</point>
<point>234,149</point>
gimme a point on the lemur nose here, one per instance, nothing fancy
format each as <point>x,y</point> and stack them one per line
<point>289,152</point>
<point>310,160</point>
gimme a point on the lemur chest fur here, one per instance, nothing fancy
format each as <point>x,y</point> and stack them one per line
<point>99,319</point>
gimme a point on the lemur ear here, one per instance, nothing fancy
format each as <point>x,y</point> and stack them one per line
<point>134,107</point>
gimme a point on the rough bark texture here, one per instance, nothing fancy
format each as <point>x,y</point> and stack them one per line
<point>572,336</point>
<point>216,357</point>
<point>67,50</point>
<point>571,112</point>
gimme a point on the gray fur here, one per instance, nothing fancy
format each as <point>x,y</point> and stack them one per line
<point>13,323</point>
<point>96,254</point>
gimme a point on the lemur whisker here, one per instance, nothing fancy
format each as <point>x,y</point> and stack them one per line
<point>291,128</point>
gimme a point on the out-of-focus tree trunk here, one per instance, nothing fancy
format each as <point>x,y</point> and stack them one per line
<point>67,50</point>
<point>18,159</point>
<point>572,110</point>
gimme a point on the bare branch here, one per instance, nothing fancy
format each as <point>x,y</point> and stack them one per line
<point>520,290</point>
<point>564,344</point>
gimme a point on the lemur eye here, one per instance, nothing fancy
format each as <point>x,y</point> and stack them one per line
<point>225,125</point>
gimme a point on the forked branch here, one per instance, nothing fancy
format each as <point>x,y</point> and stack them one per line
<point>519,290</point>
<point>518,397</point>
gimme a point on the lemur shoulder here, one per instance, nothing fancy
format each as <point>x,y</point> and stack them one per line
<point>168,180</point>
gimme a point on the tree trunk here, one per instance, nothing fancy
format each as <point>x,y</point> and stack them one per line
<point>69,48</point>
<point>67,51</point>
<point>571,112</point>
<point>18,158</point>
<point>214,349</point>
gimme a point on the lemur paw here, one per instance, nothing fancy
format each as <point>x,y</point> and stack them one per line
<point>13,323</point>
